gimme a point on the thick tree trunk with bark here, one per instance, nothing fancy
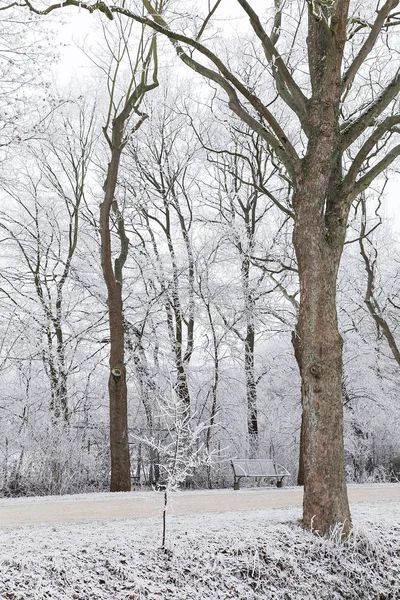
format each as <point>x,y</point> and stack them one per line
<point>318,347</point>
<point>321,214</point>
<point>319,352</point>
<point>318,237</point>
<point>119,446</point>
<point>119,443</point>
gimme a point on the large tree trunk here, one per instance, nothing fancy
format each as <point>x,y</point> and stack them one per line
<point>319,347</point>
<point>318,344</point>
<point>119,446</point>
<point>321,213</point>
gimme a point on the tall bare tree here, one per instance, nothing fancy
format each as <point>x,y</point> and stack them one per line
<point>241,207</point>
<point>117,131</point>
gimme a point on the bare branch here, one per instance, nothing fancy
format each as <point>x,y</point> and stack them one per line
<point>366,148</point>
<point>287,87</point>
<point>10,6</point>
<point>364,182</point>
<point>276,29</point>
<point>370,298</point>
<point>230,84</point>
<point>207,19</point>
<point>351,131</point>
<point>369,43</point>
<point>278,140</point>
<point>98,6</point>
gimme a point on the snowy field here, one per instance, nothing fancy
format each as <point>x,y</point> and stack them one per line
<point>253,554</point>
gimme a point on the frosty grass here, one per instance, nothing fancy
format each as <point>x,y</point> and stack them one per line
<point>246,555</point>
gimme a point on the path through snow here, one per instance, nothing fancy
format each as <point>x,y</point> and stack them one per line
<point>52,510</point>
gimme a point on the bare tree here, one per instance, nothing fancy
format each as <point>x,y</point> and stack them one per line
<point>117,132</point>
<point>48,252</point>
<point>244,202</point>
<point>25,99</point>
<point>241,208</point>
<point>163,190</point>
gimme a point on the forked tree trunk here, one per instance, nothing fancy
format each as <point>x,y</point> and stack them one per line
<point>321,213</point>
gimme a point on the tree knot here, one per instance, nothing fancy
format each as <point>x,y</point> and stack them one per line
<point>117,370</point>
<point>315,370</point>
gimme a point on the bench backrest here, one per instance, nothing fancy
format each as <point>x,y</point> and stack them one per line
<point>254,467</point>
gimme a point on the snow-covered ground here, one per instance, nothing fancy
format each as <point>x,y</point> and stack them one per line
<point>253,554</point>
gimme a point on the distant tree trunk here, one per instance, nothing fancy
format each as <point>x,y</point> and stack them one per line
<point>148,390</point>
<point>119,446</point>
<point>215,383</point>
<point>176,320</point>
<point>59,378</point>
<point>246,250</point>
<point>251,388</point>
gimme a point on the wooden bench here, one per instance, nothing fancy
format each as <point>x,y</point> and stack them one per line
<point>254,467</point>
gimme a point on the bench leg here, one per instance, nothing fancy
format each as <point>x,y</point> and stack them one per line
<point>279,483</point>
<point>236,484</point>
